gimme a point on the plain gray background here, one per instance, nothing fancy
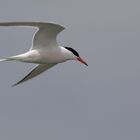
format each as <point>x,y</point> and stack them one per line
<point>72,101</point>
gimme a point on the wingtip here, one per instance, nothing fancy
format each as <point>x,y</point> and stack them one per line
<point>14,85</point>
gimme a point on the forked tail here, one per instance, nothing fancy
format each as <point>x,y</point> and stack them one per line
<point>3,59</point>
<point>6,59</point>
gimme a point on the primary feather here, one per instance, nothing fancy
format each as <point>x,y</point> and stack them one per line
<point>45,35</point>
<point>36,71</point>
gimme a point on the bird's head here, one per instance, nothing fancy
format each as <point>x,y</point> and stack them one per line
<point>75,55</point>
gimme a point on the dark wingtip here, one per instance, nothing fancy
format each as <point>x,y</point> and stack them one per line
<point>14,85</point>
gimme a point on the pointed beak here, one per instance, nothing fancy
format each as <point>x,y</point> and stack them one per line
<point>81,60</point>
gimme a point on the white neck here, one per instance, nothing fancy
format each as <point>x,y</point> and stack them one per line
<point>67,54</point>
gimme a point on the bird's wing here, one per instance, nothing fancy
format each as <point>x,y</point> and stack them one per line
<point>46,33</point>
<point>36,71</point>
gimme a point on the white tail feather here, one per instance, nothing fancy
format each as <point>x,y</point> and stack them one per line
<point>5,59</point>
<point>16,57</point>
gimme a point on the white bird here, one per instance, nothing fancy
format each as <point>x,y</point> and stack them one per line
<point>45,51</point>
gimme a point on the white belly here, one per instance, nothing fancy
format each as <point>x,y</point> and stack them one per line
<point>40,56</point>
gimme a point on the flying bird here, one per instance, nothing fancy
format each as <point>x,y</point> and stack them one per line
<point>45,51</point>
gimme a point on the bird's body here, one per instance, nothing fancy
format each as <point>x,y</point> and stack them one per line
<point>44,50</point>
<point>43,56</point>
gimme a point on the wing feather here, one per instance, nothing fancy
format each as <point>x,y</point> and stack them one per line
<point>46,33</point>
<point>36,71</point>
<point>33,24</point>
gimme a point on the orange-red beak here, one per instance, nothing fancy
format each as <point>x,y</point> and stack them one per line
<point>82,61</point>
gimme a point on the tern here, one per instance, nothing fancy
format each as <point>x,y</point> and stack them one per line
<point>45,51</point>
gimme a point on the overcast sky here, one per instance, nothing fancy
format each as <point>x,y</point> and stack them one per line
<point>72,101</point>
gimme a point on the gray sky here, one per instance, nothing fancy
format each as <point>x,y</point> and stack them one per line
<point>72,101</point>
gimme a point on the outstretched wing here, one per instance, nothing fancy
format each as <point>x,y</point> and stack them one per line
<point>36,71</point>
<point>46,33</point>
